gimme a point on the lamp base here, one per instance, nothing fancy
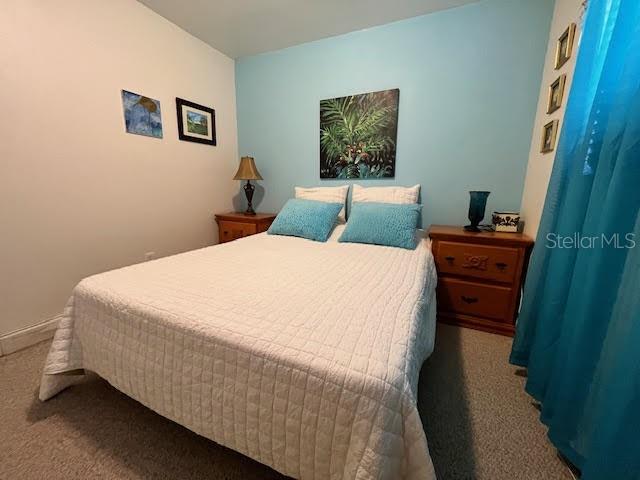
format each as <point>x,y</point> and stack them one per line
<point>248,191</point>
<point>471,228</point>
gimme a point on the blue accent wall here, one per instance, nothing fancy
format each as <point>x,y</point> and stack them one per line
<point>469,80</point>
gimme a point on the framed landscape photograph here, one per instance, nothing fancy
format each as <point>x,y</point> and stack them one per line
<point>142,115</point>
<point>196,123</point>
<point>549,131</point>
<point>556,93</point>
<point>565,45</point>
<point>358,135</point>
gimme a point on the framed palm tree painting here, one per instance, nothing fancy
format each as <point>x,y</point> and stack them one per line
<point>358,135</point>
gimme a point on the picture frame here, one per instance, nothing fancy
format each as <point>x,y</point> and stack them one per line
<point>556,94</point>
<point>196,123</point>
<point>564,47</point>
<point>549,133</point>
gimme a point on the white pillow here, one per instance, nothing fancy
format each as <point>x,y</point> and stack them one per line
<point>401,195</point>
<point>326,194</point>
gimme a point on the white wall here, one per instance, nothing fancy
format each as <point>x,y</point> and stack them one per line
<point>540,164</point>
<point>78,195</point>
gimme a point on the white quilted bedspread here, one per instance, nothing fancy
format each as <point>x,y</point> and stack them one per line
<point>304,356</point>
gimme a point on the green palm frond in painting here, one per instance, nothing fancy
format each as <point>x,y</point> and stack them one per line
<point>357,135</point>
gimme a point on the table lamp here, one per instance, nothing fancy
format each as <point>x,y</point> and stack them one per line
<point>248,171</point>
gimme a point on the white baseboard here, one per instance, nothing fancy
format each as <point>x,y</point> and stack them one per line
<point>14,341</point>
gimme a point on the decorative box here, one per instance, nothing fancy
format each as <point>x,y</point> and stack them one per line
<point>505,221</point>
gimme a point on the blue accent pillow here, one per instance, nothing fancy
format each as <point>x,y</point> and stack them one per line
<point>390,224</point>
<point>309,219</point>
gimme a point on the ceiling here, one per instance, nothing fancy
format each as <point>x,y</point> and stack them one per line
<point>247,27</point>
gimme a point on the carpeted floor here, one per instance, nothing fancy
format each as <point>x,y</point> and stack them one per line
<point>479,422</point>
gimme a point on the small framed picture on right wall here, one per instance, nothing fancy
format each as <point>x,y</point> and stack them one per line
<point>549,131</point>
<point>556,93</point>
<point>565,45</point>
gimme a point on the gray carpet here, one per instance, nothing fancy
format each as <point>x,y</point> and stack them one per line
<point>479,422</point>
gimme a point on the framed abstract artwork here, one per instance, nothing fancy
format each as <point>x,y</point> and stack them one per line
<point>142,115</point>
<point>358,135</point>
<point>196,123</point>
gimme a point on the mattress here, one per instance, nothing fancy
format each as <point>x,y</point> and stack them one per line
<point>302,355</point>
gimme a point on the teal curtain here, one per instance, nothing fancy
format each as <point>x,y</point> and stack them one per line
<point>578,333</point>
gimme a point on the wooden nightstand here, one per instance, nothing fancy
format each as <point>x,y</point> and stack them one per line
<point>480,277</point>
<point>234,225</point>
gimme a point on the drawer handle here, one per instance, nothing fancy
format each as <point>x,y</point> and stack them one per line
<point>501,266</point>
<point>449,258</point>
<point>469,299</point>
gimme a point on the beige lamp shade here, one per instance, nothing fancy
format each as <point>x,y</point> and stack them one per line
<point>247,170</point>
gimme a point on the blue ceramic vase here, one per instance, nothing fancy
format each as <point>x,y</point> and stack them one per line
<point>477,205</point>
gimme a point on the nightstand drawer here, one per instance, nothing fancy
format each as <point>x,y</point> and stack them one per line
<point>477,299</point>
<point>234,225</point>
<point>491,262</point>
<point>234,230</point>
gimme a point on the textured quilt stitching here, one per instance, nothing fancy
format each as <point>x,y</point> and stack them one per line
<point>184,356</point>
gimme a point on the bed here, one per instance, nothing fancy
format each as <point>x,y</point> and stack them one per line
<point>302,355</point>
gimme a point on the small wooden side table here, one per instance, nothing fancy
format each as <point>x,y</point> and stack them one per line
<point>234,225</point>
<point>480,276</point>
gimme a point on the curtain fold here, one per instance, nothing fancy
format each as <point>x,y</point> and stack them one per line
<point>578,332</point>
